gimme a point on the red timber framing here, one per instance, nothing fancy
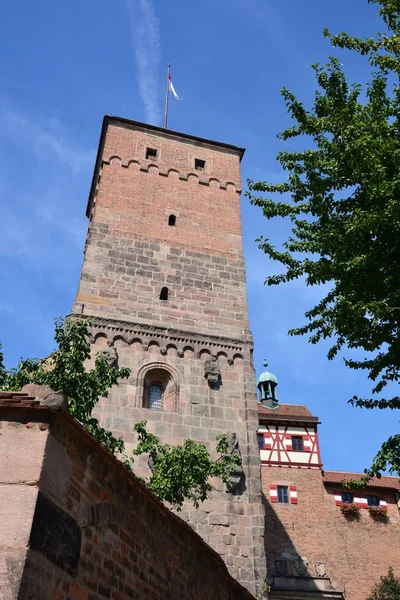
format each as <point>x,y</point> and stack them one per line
<point>278,446</point>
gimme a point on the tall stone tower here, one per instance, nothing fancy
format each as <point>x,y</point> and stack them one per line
<point>163,281</point>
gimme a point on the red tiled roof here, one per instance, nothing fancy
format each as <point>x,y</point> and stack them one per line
<point>284,412</point>
<point>338,476</point>
<point>17,399</point>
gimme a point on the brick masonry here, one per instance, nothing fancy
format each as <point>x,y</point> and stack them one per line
<point>131,253</point>
<point>353,553</point>
<point>77,525</point>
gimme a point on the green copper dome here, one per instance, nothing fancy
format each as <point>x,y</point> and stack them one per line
<point>267,376</point>
<point>267,384</point>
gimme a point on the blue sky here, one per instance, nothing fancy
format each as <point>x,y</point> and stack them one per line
<point>64,65</point>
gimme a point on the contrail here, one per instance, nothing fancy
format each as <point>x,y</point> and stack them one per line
<point>146,44</point>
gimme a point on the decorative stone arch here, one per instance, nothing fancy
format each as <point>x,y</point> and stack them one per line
<point>119,341</point>
<point>115,159</point>
<point>166,377</point>
<point>238,360</point>
<point>100,339</point>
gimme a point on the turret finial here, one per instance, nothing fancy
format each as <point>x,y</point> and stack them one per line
<point>265,363</point>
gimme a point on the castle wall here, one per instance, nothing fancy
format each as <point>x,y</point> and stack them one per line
<point>353,553</point>
<point>89,529</point>
<point>131,254</point>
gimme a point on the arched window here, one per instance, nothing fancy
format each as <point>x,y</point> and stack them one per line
<point>164,294</point>
<point>156,396</point>
<point>158,389</point>
<point>171,220</point>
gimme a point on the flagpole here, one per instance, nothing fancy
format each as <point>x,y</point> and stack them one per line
<point>166,98</point>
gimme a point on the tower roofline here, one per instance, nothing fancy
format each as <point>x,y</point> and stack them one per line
<point>168,133</point>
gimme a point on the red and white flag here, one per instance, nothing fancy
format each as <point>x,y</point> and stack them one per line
<point>171,87</point>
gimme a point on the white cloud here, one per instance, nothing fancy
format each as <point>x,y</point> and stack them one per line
<point>45,137</point>
<point>42,214</point>
<point>146,43</point>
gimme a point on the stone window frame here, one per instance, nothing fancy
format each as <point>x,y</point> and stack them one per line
<point>200,164</point>
<point>173,376</point>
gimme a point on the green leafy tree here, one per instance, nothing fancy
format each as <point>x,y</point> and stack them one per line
<point>344,209</point>
<point>184,472</point>
<point>387,589</point>
<point>178,472</point>
<point>3,369</point>
<point>65,370</point>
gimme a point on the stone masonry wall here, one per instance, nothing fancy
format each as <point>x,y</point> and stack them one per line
<point>131,253</point>
<point>232,523</point>
<point>76,525</point>
<point>354,554</point>
<point>122,278</point>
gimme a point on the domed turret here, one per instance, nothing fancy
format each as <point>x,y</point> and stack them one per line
<point>267,383</point>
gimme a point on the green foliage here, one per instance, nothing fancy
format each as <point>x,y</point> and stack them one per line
<point>179,472</point>
<point>345,213</point>
<point>65,370</point>
<point>350,509</point>
<point>3,369</point>
<point>378,512</point>
<point>387,589</point>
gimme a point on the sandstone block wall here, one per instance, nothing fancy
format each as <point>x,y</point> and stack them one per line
<point>353,553</point>
<point>86,528</point>
<point>131,254</point>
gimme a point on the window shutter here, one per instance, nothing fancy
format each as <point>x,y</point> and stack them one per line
<point>288,444</point>
<point>267,442</point>
<point>382,503</point>
<point>293,494</point>
<point>307,443</point>
<point>273,493</point>
<point>338,498</point>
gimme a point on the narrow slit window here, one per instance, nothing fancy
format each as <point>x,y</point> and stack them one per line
<point>164,294</point>
<point>171,220</point>
<point>151,154</point>
<point>199,164</point>
<point>260,438</point>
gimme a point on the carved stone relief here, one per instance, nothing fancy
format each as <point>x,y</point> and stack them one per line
<point>235,476</point>
<point>320,569</point>
<point>211,371</point>
<point>111,355</point>
<point>300,566</point>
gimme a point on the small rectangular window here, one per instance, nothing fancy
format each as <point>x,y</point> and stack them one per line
<point>373,500</point>
<point>347,498</point>
<point>260,438</point>
<point>297,443</point>
<point>199,164</point>
<point>151,154</point>
<point>283,495</point>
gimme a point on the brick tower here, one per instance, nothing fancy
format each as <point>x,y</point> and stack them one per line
<point>163,281</point>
